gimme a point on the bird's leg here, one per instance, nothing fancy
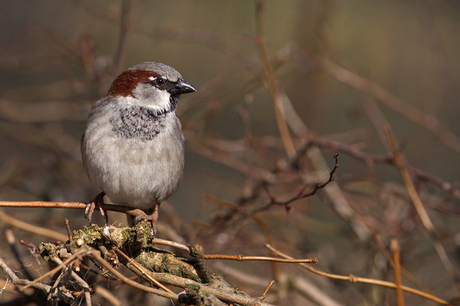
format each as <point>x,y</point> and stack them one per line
<point>96,202</point>
<point>153,217</point>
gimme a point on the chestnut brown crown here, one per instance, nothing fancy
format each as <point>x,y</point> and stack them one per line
<point>156,74</point>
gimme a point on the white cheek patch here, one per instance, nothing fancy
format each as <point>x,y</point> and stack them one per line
<point>163,100</point>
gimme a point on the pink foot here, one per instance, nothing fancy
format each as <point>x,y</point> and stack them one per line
<point>96,202</point>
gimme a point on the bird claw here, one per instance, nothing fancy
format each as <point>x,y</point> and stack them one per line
<point>91,206</point>
<point>152,217</point>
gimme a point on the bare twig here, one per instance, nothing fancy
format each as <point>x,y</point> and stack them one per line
<point>235,208</point>
<point>353,151</point>
<point>395,249</point>
<point>308,289</point>
<point>130,282</point>
<point>67,297</point>
<point>421,211</point>
<point>56,269</point>
<point>276,94</point>
<point>337,197</point>
<point>109,296</point>
<point>28,227</point>
<point>273,200</point>
<point>41,204</point>
<point>379,93</point>
<point>301,285</point>
<point>12,242</point>
<point>302,193</point>
<point>258,258</point>
<point>67,226</point>
<point>179,282</point>
<point>142,270</point>
<point>171,244</point>
<point>354,279</point>
<point>79,280</point>
<point>75,205</point>
<point>31,246</point>
<point>124,30</point>
<point>264,295</point>
<point>227,159</point>
<point>404,272</point>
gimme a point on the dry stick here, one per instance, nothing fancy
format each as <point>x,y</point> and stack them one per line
<point>395,249</point>
<point>59,267</point>
<point>11,239</point>
<point>276,94</point>
<point>360,155</point>
<point>256,217</point>
<point>258,258</point>
<point>58,281</point>
<point>30,228</point>
<point>130,282</point>
<point>235,207</point>
<point>221,203</point>
<point>421,211</point>
<point>67,226</point>
<point>264,295</point>
<point>228,159</point>
<point>234,257</point>
<point>339,201</point>
<point>334,192</point>
<point>82,282</point>
<point>301,194</point>
<point>100,290</point>
<point>353,279</point>
<point>42,204</point>
<point>308,289</point>
<point>173,244</point>
<point>261,222</point>
<point>79,280</point>
<point>377,118</point>
<point>223,295</point>
<point>404,272</point>
<point>300,285</point>
<point>66,296</point>
<point>245,277</point>
<point>142,270</point>
<point>124,29</point>
<point>69,205</point>
<point>179,282</point>
<point>379,93</point>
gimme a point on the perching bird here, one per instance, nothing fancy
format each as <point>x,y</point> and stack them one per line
<point>133,146</point>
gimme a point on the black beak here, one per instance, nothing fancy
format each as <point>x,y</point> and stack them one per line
<point>182,87</point>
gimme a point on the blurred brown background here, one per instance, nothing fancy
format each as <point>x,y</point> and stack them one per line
<point>58,57</point>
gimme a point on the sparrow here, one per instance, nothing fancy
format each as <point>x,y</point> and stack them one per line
<point>133,147</point>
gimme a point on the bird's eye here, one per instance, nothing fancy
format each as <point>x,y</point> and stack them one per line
<point>156,81</point>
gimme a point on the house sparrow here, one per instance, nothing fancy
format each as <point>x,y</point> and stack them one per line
<point>133,146</point>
